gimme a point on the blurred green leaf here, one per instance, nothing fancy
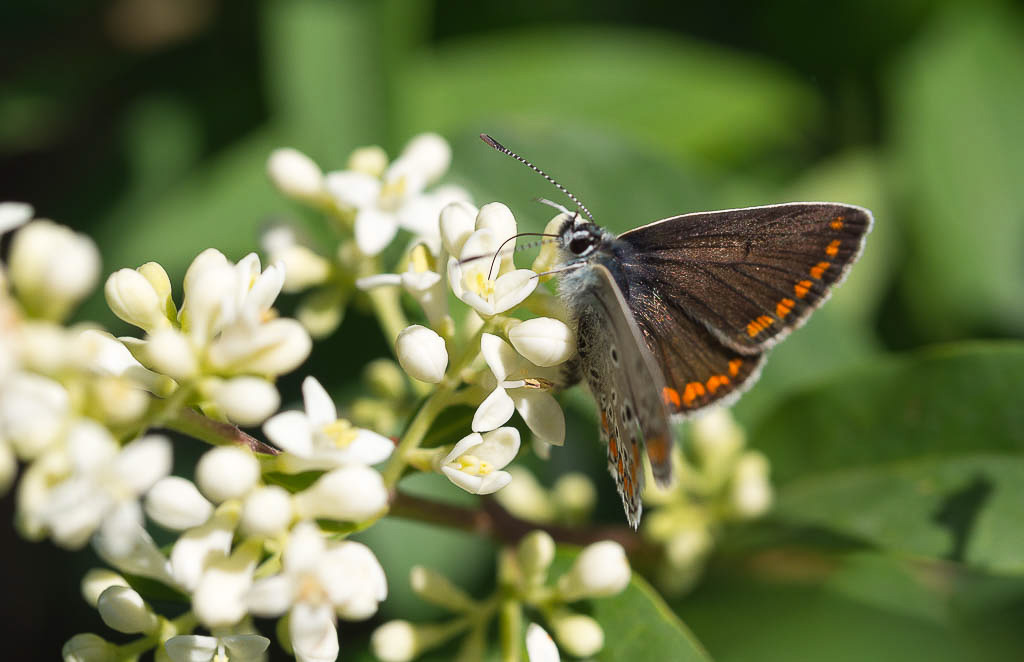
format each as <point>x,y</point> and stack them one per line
<point>679,98</point>
<point>917,453</point>
<point>959,142</point>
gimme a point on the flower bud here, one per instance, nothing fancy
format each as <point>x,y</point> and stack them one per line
<point>395,641</point>
<point>385,379</point>
<point>536,551</point>
<point>349,494</point>
<point>526,498</point>
<point>295,174</point>
<point>320,312</point>
<point>170,353</point>
<point>227,472</point>
<point>574,495</point>
<point>14,214</point>
<point>422,354</point>
<point>687,547</point>
<point>372,160</point>
<point>89,647</point>
<point>51,268</point>
<point>717,440</point>
<point>548,256</point>
<point>132,297</point>
<point>272,348</point>
<point>124,610</point>
<point>498,218</point>
<point>266,511</point>
<point>98,580</point>
<point>175,503</point>
<point>751,490</point>
<point>247,400</point>
<point>600,570</point>
<point>579,635</point>
<point>458,220</point>
<point>544,341</point>
<point>437,589</point>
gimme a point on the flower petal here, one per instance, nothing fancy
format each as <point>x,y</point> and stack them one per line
<point>369,448</point>
<point>271,596</point>
<point>512,288</point>
<point>493,482</point>
<point>467,442</point>
<point>191,648</point>
<point>466,481</point>
<point>374,230</point>
<point>353,190</point>
<point>500,447</point>
<point>291,432</point>
<point>542,414</point>
<point>544,341</point>
<point>314,636</point>
<point>499,355</point>
<point>319,406</point>
<point>494,411</point>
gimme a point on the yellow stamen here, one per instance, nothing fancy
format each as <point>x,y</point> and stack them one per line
<point>340,432</point>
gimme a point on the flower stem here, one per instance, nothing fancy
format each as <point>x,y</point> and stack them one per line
<point>189,421</point>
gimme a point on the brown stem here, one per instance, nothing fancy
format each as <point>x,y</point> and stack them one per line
<point>496,522</point>
<point>217,433</point>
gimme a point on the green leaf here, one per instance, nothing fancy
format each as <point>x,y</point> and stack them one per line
<point>676,97</point>
<point>918,453</point>
<point>637,623</point>
<point>956,111</point>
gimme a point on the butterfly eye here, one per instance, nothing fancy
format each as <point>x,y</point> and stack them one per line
<point>580,244</point>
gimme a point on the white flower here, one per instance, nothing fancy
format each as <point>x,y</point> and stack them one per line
<point>475,463</point>
<point>421,353</point>
<point>303,268</point>
<point>197,548</point>
<point>396,199</point>
<point>540,647</point>
<point>220,598</point>
<point>535,552</point>
<point>14,214</point>
<point>34,412</point>
<point>124,610</point>
<point>175,503</point>
<point>352,493</point>
<point>420,280</point>
<point>98,580</point>
<point>132,551</point>
<point>320,580</point>
<point>52,268</point>
<point>295,174</point>
<point>227,648</point>
<point>266,511</point>
<point>227,472</point>
<point>520,388</point>
<point>457,222</point>
<point>543,341</point>
<point>480,277</point>
<point>318,439</point>
<point>133,298</point>
<point>104,486</point>
<point>600,570</point>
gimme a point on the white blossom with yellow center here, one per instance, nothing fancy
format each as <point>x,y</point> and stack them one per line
<point>317,439</point>
<point>475,463</point>
<point>420,279</point>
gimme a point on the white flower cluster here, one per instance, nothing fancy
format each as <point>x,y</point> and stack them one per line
<point>600,570</point>
<point>724,483</point>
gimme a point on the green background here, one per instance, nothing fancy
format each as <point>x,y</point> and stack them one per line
<point>893,420</point>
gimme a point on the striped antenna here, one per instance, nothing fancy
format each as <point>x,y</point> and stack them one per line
<point>505,150</point>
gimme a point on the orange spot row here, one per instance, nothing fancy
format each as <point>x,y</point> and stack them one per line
<point>717,381</point>
<point>613,450</point>
<point>784,307</point>
<point>818,270</point>
<point>837,224</point>
<point>802,288</point>
<point>604,422</point>
<point>734,366</point>
<point>833,248</point>
<point>760,324</point>
<point>670,396</point>
<point>693,391</point>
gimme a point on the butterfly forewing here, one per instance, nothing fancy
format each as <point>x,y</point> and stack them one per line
<point>627,385</point>
<point>748,275</point>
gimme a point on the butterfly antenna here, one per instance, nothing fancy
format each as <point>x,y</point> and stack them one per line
<point>494,259</point>
<point>505,150</point>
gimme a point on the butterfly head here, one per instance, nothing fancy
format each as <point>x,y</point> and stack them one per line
<point>579,238</point>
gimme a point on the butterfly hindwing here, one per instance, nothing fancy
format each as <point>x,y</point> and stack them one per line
<point>627,385</point>
<point>748,275</point>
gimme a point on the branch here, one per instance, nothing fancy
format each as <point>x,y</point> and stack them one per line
<point>190,422</point>
<point>495,522</point>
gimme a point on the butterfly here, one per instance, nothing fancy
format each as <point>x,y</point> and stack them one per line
<point>679,314</point>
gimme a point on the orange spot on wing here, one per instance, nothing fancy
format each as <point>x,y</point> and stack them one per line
<point>716,382</point>
<point>692,391</point>
<point>670,396</point>
<point>604,422</point>
<point>833,248</point>
<point>621,466</point>
<point>734,366</point>
<point>613,448</point>
<point>818,270</point>
<point>657,449</point>
<point>784,307</point>
<point>758,325</point>
<point>837,224</point>
<point>627,483</point>
<point>802,288</point>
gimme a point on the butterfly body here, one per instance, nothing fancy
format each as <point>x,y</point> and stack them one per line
<point>678,315</point>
